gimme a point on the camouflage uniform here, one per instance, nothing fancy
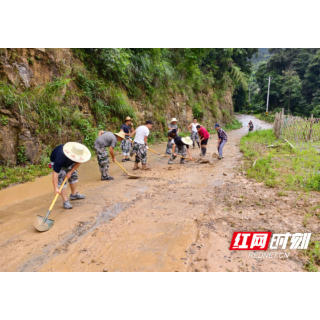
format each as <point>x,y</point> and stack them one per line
<point>194,137</point>
<point>182,151</point>
<point>103,161</point>
<point>169,146</point>
<point>125,146</point>
<point>62,174</point>
<point>141,152</point>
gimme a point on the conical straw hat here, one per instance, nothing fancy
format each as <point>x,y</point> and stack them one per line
<point>187,141</point>
<point>121,134</point>
<point>77,152</point>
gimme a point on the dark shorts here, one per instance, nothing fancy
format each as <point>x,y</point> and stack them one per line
<point>204,142</point>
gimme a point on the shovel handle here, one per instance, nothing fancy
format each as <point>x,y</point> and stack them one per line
<point>121,167</point>
<point>57,195</point>
<point>154,151</point>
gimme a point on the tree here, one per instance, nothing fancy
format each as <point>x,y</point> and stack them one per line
<point>291,88</point>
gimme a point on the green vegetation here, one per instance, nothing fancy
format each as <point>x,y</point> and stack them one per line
<point>4,120</point>
<point>267,118</point>
<point>234,125</point>
<point>20,174</point>
<point>281,166</point>
<point>260,58</point>
<point>155,74</point>
<point>295,82</point>
<point>21,155</point>
<point>313,254</point>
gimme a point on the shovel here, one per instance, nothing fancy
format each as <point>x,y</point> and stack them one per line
<point>159,154</point>
<point>43,223</point>
<point>130,176</point>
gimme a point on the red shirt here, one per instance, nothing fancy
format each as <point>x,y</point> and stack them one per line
<point>203,133</point>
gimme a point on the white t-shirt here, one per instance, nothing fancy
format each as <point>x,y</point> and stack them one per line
<point>141,132</point>
<point>194,127</point>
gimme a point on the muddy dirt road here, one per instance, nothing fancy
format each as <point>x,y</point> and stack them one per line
<point>175,218</point>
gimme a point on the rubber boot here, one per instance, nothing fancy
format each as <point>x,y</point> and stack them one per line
<point>136,167</point>
<point>204,151</point>
<point>198,144</point>
<point>193,145</point>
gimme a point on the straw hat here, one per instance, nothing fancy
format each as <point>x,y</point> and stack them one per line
<point>187,141</point>
<point>173,119</point>
<point>128,118</point>
<point>77,152</point>
<point>121,134</point>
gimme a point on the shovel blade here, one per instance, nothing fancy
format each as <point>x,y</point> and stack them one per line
<point>131,176</point>
<point>42,226</point>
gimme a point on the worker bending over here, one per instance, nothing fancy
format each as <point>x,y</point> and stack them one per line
<point>65,160</point>
<point>182,145</point>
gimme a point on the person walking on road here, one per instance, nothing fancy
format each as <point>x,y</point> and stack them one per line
<point>204,136</point>
<point>172,125</point>
<point>106,139</point>
<point>125,145</point>
<point>222,139</point>
<point>140,145</point>
<point>182,145</point>
<point>192,127</point>
<point>250,125</point>
<point>65,160</point>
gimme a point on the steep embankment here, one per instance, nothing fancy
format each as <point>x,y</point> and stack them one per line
<point>48,96</point>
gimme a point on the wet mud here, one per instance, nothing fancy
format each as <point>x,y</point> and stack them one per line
<point>174,218</point>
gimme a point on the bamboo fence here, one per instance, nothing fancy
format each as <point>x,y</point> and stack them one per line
<point>296,128</point>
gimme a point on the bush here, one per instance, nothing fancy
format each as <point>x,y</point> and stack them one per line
<point>235,124</point>
<point>197,111</point>
<point>21,155</point>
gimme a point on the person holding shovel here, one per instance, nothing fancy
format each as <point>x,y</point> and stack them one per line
<point>182,145</point>
<point>125,145</point>
<point>192,127</point>
<point>204,136</point>
<point>65,160</point>
<point>222,139</point>
<point>172,125</point>
<point>140,145</point>
<point>106,139</point>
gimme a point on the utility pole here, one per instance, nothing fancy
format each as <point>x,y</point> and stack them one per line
<point>249,92</point>
<point>268,95</point>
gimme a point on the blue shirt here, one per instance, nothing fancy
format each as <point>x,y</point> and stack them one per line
<point>60,159</point>
<point>126,129</point>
